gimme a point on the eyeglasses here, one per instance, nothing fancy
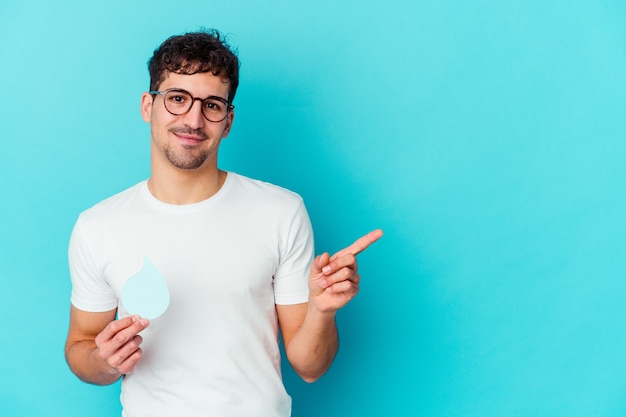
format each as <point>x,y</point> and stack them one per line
<point>179,102</point>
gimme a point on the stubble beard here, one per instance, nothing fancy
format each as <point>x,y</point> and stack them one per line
<point>187,162</point>
<point>187,158</point>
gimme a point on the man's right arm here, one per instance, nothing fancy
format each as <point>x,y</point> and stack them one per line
<point>100,349</point>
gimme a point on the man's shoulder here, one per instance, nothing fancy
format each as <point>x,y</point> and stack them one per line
<point>262,190</point>
<point>113,205</point>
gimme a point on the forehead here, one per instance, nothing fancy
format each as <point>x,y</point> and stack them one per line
<point>202,84</point>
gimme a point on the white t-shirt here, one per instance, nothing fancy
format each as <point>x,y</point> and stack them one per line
<point>227,261</point>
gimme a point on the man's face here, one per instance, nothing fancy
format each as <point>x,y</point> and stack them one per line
<point>188,141</point>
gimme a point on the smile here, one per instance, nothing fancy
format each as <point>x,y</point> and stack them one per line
<point>189,136</point>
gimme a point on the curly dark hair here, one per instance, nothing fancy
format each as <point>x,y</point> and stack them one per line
<point>195,52</point>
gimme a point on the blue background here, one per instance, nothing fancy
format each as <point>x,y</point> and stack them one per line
<point>485,137</point>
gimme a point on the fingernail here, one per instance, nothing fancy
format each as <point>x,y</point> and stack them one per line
<point>326,269</point>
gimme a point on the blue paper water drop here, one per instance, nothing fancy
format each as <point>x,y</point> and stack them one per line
<point>146,293</point>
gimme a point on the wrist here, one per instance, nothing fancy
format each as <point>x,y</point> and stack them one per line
<point>315,311</point>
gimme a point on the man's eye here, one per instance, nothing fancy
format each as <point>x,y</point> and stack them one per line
<point>213,106</point>
<point>177,99</point>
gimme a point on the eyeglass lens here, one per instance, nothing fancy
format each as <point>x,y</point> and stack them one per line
<point>180,102</point>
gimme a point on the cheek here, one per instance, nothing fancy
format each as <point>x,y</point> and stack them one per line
<point>159,122</point>
<point>158,129</point>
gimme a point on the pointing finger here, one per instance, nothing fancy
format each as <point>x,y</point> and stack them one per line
<point>360,244</point>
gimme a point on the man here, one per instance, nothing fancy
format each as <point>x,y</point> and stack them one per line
<point>234,252</point>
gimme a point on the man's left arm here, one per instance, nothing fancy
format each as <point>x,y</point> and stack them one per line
<point>309,330</point>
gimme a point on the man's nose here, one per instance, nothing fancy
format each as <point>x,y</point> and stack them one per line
<point>194,117</point>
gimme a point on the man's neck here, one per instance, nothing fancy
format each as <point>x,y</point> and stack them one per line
<point>186,187</point>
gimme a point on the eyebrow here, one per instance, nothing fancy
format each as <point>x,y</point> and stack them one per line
<point>195,97</point>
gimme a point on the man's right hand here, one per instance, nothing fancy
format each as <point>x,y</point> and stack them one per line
<point>118,344</point>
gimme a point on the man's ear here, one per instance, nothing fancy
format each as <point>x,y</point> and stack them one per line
<point>146,106</point>
<point>229,123</point>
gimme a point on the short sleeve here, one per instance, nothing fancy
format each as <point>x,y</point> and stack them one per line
<point>90,291</point>
<point>297,249</point>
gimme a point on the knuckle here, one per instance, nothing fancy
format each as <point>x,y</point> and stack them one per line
<point>134,343</point>
<point>113,327</point>
<point>114,365</point>
<point>131,346</point>
<point>119,338</point>
<point>103,355</point>
<point>112,361</point>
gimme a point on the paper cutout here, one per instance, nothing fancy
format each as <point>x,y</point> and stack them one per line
<point>146,293</point>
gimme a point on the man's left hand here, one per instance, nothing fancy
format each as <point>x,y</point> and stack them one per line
<point>334,280</point>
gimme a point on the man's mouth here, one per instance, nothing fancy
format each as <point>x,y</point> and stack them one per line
<point>189,135</point>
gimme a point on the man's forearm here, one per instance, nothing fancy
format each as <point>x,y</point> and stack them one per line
<point>314,346</point>
<point>83,359</point>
